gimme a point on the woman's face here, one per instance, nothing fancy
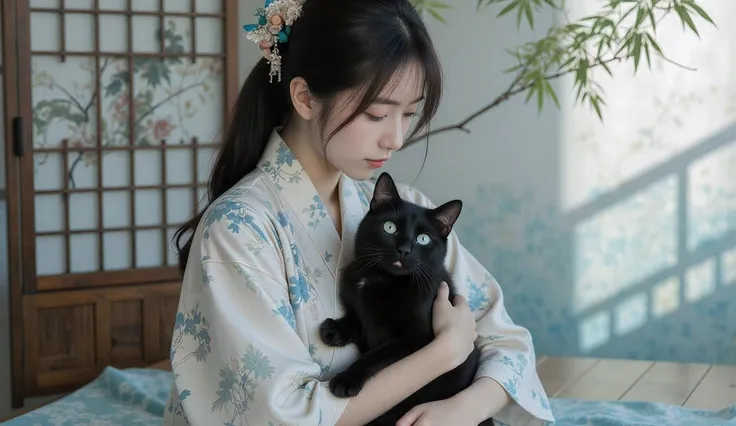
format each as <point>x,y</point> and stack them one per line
<point>365,144</point>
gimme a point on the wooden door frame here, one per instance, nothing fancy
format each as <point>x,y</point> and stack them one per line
<point>11,39</point>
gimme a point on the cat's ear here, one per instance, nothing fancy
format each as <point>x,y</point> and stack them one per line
<point>446,215</point>
<point>385,191</point>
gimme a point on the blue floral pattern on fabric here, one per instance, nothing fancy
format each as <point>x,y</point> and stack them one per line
<point>238,382</point>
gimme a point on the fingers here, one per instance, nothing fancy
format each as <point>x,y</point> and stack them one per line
<point>459,301</point>
<point>411,416</point>
<point>443,293</point>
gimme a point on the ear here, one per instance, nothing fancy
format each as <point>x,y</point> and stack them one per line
<point>446,215</point>
<point>301,98</point>
<point>385,191</point>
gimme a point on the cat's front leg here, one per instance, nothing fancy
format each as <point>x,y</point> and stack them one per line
<point>339,332</point>
<point>350,382</point>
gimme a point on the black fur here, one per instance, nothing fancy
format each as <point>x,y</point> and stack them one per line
<point>388,308</point>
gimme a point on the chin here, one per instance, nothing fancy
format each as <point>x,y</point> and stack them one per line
<point>358,174</point>
<point>396,270</point>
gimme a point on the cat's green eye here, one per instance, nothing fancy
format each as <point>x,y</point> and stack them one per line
<point>389,227</point>
<point>423,239</point>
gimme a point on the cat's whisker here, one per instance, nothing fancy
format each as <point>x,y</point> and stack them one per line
<point>424,276</point>
<point>369,250</point>
<point>369,264</point>
<point>368,256</point>
<point>373,249</point>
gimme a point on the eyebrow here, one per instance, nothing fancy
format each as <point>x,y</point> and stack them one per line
<point>385,101</point>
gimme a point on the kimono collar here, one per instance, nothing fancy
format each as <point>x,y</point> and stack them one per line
<point>296,190</point>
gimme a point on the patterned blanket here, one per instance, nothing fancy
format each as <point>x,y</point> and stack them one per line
<point>137,397</point>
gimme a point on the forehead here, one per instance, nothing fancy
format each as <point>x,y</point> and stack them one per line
<point>405,215</point>
<point>404,88</point>
<point>406,85</point>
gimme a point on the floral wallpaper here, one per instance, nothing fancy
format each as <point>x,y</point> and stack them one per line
<point>614,238</point>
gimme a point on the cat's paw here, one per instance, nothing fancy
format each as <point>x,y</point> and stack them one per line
<point>332,334</point>
<point>347,384</point>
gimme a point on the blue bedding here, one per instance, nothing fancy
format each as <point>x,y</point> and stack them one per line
<point>130,397</point>
<point>137,397</point>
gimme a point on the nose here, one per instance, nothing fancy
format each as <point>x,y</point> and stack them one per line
<point>394,137</point>
<point>404,249</point>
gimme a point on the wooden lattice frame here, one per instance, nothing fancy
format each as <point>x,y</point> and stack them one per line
<point>20,151</point>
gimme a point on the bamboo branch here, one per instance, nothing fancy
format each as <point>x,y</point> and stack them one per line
<point>512,90</point>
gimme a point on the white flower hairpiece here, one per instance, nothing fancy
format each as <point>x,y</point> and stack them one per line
<point>274,26</point>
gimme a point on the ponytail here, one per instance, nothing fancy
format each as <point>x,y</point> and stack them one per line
<point>259,108</point>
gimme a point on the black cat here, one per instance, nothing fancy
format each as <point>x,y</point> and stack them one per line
<point>388,293</point>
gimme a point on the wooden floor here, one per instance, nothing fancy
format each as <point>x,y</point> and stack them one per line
<point>698,386</point>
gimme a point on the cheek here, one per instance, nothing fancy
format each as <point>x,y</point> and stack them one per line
<point>407,124</point>
<point>361,132</point>
<point>352,141</point>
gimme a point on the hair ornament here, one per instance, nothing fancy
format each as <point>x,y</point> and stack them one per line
<point>274,26</point>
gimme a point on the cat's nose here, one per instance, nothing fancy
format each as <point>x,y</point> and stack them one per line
<point>404,249</point>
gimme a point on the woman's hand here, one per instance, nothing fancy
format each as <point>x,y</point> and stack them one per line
<point>452,411</point>
<point>454,326</point>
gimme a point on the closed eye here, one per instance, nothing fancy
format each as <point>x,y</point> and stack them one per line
<point>377,118</point>
<point>373,117</point>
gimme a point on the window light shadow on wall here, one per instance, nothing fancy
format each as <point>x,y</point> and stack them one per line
<point>649,195</point>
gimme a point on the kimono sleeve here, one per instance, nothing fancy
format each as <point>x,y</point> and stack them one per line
<point>236,355</point>
<point>507,351</point>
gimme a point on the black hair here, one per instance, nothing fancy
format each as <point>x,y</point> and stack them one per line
<point>335,46</point>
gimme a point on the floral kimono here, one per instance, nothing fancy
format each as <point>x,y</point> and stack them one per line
<point>262,276</point>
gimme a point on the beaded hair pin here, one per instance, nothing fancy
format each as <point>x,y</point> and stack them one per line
<point>274,26</point>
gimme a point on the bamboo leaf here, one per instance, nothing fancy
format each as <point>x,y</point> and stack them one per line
<point>699,10</point>
<point>605,67</point>
<point>540,93</point>
<point>654,44</point>
<point>551,92</point>
<point>685,17</point>
<point>652,20</point>
<point>508,8</point>
<point>640,15</point>
<point>436,15</point>
<point>595,102</point>
<point>636,52</point>
<point>529,14</point>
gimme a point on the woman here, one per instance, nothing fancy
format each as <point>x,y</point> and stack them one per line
<point>330,102</point>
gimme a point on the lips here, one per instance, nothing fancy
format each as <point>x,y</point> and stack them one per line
<point>377,163</point>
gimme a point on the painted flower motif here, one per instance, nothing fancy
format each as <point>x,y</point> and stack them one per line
<point>162,128</point>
